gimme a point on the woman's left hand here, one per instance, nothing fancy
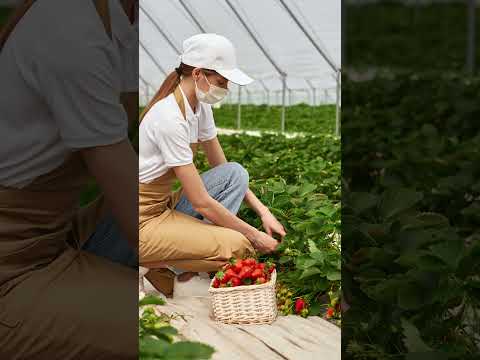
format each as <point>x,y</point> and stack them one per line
<point>271,224</point>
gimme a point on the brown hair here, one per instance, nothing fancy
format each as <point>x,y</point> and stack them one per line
<point>170,84</point>
<point>13,20</point>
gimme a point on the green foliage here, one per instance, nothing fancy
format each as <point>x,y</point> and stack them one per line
<point>389,33</point>
<point>299,180</point>
<point>409,219</point>
<point>157,336</point>
<point>298,118</point>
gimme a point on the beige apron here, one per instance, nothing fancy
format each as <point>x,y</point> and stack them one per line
<point>169,237</point>
<point>57,301</point>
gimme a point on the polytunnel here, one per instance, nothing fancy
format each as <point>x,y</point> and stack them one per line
<point>291,48</point>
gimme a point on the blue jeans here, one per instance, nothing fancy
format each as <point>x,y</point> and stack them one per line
<point>108,242</point>
<point>226,183</point>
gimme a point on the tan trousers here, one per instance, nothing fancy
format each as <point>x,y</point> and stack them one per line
<point>56,301</point>
<point>169,237</point>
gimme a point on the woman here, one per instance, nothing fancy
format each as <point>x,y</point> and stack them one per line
<point>176,121</point>
<point>62,65</point>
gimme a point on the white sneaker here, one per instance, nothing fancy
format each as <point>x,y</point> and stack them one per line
<point>196,286</point>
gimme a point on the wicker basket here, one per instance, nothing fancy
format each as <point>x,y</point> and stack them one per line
<point>248,304</point>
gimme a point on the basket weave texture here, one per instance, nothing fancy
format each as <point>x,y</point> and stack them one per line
<point>247,304</point>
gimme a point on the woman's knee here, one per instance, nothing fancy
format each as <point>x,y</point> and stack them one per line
<point>238,173</point>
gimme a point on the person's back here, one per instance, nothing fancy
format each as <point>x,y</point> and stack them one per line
<point>55,50</point>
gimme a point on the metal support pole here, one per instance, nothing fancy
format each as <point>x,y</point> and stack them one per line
<point>314,94</point>
<point>284,91</point>
<point>337,122</point>
<point>239,108</point>
<point>309,37</point>
<point>470,63</point>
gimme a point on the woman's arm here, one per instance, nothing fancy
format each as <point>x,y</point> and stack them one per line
<point>119,183</point>
<point>216,156</point>
<point>212,210</point>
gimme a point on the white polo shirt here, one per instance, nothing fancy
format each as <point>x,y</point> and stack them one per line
<point>61,79</point>
<point>165,136</point>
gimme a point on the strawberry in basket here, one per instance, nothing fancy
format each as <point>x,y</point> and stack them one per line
<point>238,272</point>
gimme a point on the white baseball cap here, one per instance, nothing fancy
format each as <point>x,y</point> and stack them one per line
<point>214,52</point>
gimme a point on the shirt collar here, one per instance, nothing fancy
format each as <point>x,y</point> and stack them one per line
<point>188,108</point>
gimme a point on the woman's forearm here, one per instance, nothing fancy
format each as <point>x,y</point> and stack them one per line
<point>115,168</point>
<point>219,215</point>
<point>254,203</point>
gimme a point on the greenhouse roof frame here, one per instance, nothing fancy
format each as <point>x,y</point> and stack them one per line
<point>189,12</point>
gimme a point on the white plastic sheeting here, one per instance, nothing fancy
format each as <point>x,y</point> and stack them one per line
<point>259,29</point>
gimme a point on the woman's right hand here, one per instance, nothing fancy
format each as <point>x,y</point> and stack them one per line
<point>263,242</point>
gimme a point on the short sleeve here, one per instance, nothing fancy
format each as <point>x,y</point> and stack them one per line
<point>207,129</point>
<point>173,140</point>
<point>83,94</point>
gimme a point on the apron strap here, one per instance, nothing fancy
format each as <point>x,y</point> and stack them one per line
<point>181,103</point>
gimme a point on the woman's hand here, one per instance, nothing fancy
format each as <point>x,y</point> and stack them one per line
<point>271,224</point>
<point>263,243</point>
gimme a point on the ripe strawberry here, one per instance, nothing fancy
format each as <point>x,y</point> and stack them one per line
<point>250,262</point>
<point>216,283</point>
<point>246,272</point>
<point>230,274</point>
<point>257,273</point>
<point>260,266</point>
<point>226,267</point>
<point>261,280</point>
<point>330,312</point>
<point>236,281</point>
<point>222,277</point>
<point>300,304</point>
<point>237,267</point>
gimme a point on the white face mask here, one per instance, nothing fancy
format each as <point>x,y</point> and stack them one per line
<point>213,95</point>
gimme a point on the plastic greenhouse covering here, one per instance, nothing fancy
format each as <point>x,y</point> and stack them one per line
<point>296,41</point>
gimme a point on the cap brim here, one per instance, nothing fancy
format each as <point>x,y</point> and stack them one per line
<point>236,76</point>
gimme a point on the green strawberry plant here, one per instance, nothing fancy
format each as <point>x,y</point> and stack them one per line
<point>299,181</point>
<point>157,338</point>
<point>410,224</point>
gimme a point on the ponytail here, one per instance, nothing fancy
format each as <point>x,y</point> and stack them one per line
<point>170,84</point>
<point>13,20</point>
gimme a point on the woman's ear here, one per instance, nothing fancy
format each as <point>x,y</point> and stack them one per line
<point>196,73</point>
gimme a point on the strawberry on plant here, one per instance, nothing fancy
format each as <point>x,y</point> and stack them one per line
<point>300,304</point>
<point>330,312</point>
